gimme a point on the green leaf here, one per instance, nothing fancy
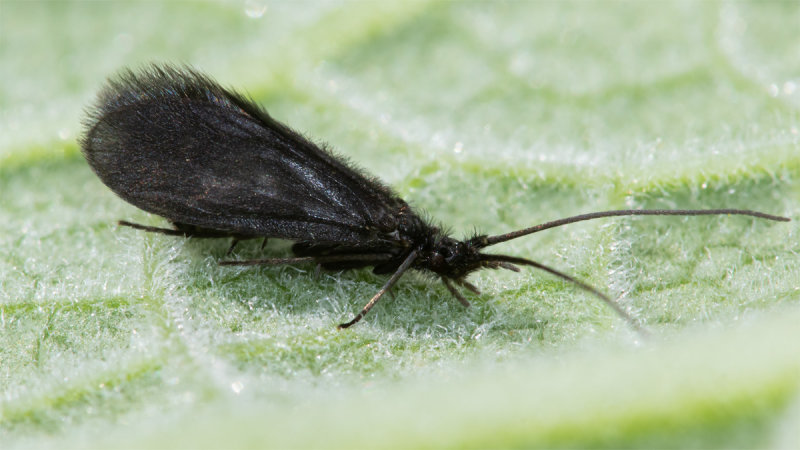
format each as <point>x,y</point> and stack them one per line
<point>489,116</point>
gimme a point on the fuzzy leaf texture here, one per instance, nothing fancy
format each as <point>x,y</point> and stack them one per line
<point>488,116</point>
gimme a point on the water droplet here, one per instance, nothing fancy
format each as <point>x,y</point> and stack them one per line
<point>63,134</point>
<point>789,87</point>
<point>459,147</point>
<point>704,185</point>
<point>773,90</point>
<point>237,386</point>
<point>254,9</point>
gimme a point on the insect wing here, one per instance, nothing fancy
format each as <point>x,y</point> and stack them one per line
<point>174,143</point>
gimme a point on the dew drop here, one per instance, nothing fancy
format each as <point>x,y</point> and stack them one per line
<point>789,87</point>
<point>237,386</point>
<point>773,90</point>
<point>254,9</point>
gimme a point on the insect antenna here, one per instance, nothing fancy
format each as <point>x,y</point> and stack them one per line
<point>492,240</point>
<point>527,262</point>
<point>508,262</point>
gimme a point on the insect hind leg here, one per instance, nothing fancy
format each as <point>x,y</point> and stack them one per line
<point>149,229</point>
<point>185,230</point>
<point>182,229</point>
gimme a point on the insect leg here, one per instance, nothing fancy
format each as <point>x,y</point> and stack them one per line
<point>500,265</point>
<point>455,292</point>
<point>317,270</point>
<point>150,229</point>
<point>396,276</point>
<point>469,286</point>
<point>234,241</point>
<point>186,231</point>
<point>371,258</point>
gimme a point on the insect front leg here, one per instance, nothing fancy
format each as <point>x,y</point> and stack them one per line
<point>396,276</point>
<point>454,292</point>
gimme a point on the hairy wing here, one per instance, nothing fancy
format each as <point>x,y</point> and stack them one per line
<point>174,143</point>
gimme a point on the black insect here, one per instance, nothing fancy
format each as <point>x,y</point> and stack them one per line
<point>173,142</point>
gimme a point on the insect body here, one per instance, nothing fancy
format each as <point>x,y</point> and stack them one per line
<point>172,142</point>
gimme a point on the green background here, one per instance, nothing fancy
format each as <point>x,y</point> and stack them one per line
<point>488,116</point>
